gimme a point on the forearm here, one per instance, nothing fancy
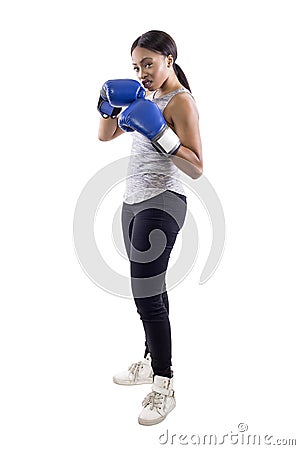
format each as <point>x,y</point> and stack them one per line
<point>108,129</point>
<point>187,161</point>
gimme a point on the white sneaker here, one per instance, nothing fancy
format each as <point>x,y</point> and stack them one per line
<point>159,403</point>
<point>137,373</point>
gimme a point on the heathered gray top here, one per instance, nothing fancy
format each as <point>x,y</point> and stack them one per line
<point>149,173</point>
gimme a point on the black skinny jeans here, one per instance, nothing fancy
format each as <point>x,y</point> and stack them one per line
<point>149,254</point>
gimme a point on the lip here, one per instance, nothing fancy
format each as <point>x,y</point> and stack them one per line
<point>147,83</point>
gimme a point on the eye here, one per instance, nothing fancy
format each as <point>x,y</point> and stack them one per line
<point>136,69</point>
<point>148,65</point>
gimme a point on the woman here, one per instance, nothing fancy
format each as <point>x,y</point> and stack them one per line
<point>166,137</point>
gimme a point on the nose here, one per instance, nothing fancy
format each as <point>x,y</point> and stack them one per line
<point>142,74</point>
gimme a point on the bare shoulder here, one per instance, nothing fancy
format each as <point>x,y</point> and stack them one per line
<point>182,100</point>
<point>181,106</point>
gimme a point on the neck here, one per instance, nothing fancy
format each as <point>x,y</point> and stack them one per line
<point>171,84</point>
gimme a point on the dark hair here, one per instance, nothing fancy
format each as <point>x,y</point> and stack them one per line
<point>161,42</point>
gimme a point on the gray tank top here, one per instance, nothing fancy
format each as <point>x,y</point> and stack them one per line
<point>149,173</point>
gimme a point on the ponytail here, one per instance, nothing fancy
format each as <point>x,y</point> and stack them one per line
<point>181,76</point>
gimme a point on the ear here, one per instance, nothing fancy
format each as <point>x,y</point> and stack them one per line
<point>170,61</point>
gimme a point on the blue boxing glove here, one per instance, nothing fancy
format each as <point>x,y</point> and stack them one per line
<point>106,110</point>
<point>145,117</point>
<point>118,93</point>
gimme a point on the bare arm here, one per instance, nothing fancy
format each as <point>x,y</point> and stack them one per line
<point>108,129</point>
<point>182,116</point>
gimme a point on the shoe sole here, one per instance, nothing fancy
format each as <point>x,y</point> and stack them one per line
<point>156,421</point>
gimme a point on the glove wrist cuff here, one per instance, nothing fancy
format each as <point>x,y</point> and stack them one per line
<point>106,110</point>
<point>166,142</point>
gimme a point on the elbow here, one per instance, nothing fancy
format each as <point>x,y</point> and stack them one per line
<point>197,166</point>
<point>197,175</point>
<point>197,172</point>
<point>102,138</point>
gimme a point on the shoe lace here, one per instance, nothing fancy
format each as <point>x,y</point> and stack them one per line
<point>154,399</point>
<point>135,369</point>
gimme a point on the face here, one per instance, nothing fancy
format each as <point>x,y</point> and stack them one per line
<point>152,69</point>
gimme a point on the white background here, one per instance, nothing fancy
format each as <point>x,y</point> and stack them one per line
<point>235,338</point>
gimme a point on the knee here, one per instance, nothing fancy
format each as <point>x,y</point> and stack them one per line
<point>151,308</point>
